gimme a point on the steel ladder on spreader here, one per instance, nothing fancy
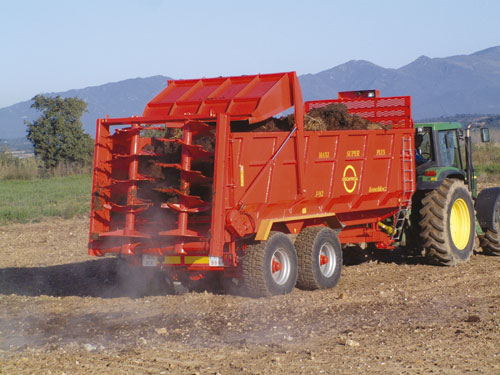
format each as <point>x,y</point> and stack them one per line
<point>408,177</point>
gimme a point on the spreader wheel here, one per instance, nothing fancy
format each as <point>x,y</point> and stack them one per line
<point>320,258</point>
<point>447,223</point>
<point>270,267</point>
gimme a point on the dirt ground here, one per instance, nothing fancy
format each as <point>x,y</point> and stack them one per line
<point>62,312</point>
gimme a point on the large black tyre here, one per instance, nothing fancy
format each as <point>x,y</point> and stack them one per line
<point>490,241</point>
<point>488,215</point>
<point>447,223</point>
<point>413,242</point>
<point>320,258</point>
<point>270,267</point>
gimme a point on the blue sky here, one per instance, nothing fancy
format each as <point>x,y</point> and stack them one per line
<point>54,45</point>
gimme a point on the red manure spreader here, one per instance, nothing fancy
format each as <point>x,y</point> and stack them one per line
<point>194,189</point>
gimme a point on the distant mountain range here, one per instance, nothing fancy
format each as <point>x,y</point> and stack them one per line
<point>118,99</point>
<point>438,86</point>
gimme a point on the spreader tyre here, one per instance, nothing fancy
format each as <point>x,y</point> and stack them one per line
<point>447,223</point>
<point>320,258</point>
<point>270,267</point>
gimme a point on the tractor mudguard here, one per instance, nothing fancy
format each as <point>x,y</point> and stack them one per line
<point>486,206</point>
<point>432,183</point>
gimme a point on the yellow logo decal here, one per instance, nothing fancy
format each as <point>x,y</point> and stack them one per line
<point>350,179</point>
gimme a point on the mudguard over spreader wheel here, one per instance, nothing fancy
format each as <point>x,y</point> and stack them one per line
<point>447,223</point>
<point>270,267</point>
<point>320,258</point>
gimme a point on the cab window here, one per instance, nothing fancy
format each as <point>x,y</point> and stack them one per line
<point>449,152</point>
<point>426,146</point>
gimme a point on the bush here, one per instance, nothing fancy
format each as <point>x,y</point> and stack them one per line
<point>15,168</point>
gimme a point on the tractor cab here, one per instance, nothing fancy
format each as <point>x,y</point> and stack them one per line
<point>443,150</point>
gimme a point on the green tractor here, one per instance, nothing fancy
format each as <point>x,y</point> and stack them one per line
<point>446,210</point>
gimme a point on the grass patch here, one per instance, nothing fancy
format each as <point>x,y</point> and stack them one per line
<point>32,200</point>
<point>486,158</point>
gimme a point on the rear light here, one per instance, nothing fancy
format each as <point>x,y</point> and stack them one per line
<point>430,173</point>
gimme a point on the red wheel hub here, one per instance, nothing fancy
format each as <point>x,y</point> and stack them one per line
<point>276,266</point>
<point>323,259</point>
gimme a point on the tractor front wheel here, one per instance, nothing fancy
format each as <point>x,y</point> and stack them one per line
<point>270,267</point>
<point>447,223</point>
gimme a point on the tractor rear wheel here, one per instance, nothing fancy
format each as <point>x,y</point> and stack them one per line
<point>320,258</point>
<point>488,216</point>
<point>447,223</point>
<point>490,241</point>
<point>270,267</point>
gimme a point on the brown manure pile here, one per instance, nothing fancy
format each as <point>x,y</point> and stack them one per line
<point>333,116</point>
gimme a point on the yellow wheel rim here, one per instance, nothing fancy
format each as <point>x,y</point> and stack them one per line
<point>460,224</point>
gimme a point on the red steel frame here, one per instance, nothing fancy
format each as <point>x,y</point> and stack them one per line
<point>261,181</point>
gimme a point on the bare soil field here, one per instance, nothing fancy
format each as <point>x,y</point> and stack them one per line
<point>62,312</point>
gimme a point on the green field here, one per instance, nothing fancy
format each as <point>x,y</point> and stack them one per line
<point>31,200</point>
